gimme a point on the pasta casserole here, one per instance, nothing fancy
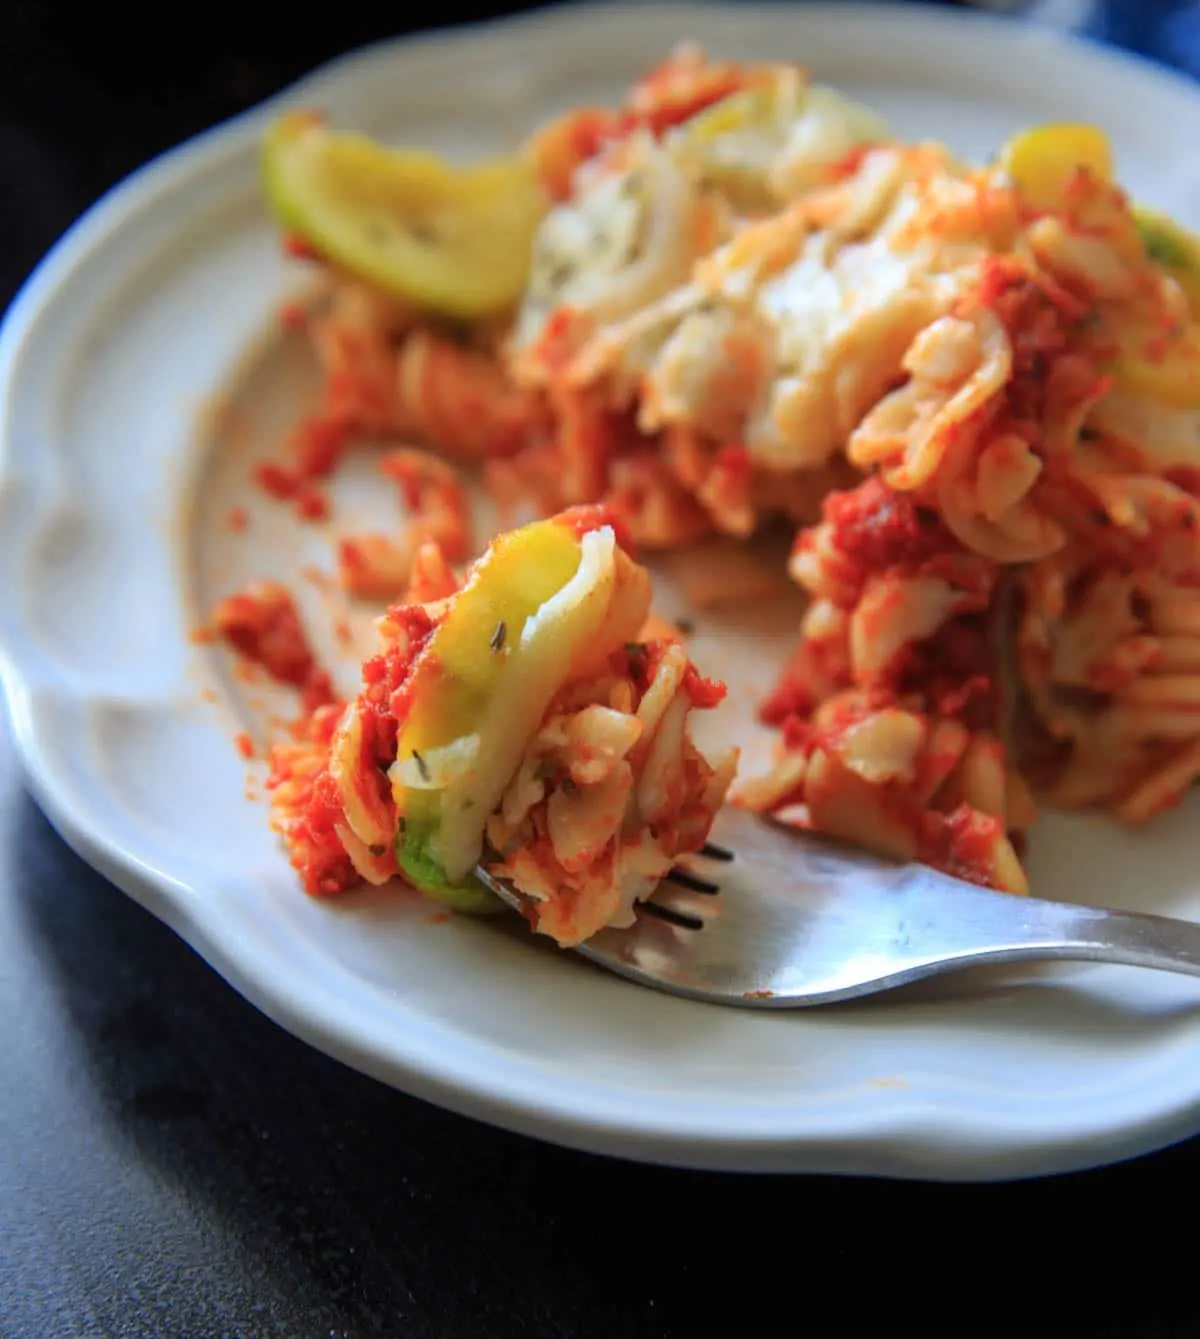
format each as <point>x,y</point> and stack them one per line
<point>739,302</point>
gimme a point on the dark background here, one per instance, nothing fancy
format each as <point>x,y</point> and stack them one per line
<point>171,1164</point>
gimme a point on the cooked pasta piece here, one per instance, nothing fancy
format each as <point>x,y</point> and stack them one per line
<point>976,388</point>
<point>891,712</point>
<point>419,384</point>
<point>1110,658</point>
<point>610,791</point>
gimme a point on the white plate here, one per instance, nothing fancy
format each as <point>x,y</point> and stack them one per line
<point>112,537</point>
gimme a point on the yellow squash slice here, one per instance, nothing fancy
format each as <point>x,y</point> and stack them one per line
<point>542,601</point>
<point>1041,161</point>
<point>455,241</point>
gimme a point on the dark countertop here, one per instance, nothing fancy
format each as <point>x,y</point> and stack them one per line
<point>172,1164</point>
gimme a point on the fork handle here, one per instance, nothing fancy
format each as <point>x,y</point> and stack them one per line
<point>1133,938</point>
<point>997,928</point>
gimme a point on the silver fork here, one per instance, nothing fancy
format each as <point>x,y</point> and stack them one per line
<point>767,918</point>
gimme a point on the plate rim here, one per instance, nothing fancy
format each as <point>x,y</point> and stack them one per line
<point>899,1137</point>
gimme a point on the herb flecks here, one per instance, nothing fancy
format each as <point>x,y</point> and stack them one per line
<point>497,642</point>
<point>422,765</point>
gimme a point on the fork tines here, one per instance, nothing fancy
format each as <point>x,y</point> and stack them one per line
<point>671,916</point>
<point>693,882</point>
<point>715,852</point>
